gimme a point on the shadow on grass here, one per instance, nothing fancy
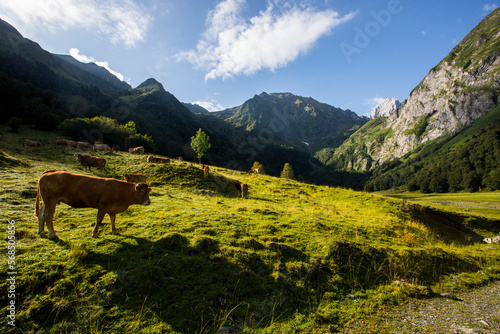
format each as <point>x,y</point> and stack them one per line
<point>191,176</point>
<point>451,227</point>
<point>174,284</point>
<point>189,286</point>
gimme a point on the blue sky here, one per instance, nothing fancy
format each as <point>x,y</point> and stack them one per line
<point>219,53</point>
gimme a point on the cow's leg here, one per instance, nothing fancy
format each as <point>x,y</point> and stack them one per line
<point>100,216</point>
<point>113,229</point>
<point>48,217</point>
<point>41,219</point>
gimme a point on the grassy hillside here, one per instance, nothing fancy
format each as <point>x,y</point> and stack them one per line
<point>291,257</point>
<point>354,153</point>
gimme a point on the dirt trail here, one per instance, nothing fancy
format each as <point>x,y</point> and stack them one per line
<point>477,311</point>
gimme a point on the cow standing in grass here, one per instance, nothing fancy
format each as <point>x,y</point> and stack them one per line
<point>157,160</point>
<point>91,161</point>
<point>136,150</point>
<point>32,143</point>
<point>108,196</point>
<point>206,170</point>
<point>242,188</point>
<point>134,178</point>
<point>99,146</point>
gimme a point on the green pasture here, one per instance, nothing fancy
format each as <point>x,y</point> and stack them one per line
<point>485,204</point>
<point>292,257</point>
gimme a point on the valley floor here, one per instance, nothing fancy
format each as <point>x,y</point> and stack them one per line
<point>486,204</point>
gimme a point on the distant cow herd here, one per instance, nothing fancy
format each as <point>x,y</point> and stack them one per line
<point>107,195</point>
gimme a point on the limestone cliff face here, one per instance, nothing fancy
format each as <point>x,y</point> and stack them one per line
<point>386,108</point>
<point>460,89</point>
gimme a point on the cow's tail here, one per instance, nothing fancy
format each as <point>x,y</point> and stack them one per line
<point>37,201</point>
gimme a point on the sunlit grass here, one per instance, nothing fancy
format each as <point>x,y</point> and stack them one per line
<point>486,204</point>
<point>200,257</point>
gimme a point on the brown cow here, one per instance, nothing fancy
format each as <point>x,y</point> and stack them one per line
<point>99,146</point>
<point>206,170</point>
<point>32,143</point>
<point>242,188</point>
<point>179,158</point>
<point>134,178</point>
<point>108,196</point>
<point>91,161</point>
<point>157,160</point>
<point>81,145</point>
<point>136,150</point>
<point>62,142</point>
<point>255,171</point>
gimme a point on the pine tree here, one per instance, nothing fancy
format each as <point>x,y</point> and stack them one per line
<point>287,172</point>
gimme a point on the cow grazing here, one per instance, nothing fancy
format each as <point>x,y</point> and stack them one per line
<point>134,178</point>
<point>91,161</point>
<point>156,160</point>
<point>98,146</point>
<point>254,171</point>
<point>136,150</point>
<point>108,196</point>
<point>32,143</point>
<point>181,159</point>
<point>242,188</point>
<point>62,142</point>
<point>206,170</point>
<point>81,145</point>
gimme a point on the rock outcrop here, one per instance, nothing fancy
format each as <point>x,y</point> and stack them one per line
<point>386,108</point>
<point>462,88</point>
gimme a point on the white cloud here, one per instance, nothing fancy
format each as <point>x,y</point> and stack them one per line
<point>490,7</point>
<point>212,105</point>
<point>232,45</point>
<point>75,53</point>
<point>123,22</point>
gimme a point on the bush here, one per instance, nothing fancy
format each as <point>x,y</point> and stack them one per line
<point>106,130</point>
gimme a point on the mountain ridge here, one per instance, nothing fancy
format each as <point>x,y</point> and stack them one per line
<point>274,128</point>
<point>109,81</point>
<point>460,89</point>
<point>292,119</point>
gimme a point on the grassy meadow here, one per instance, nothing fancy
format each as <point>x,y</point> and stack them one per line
<point>290,258</point>
<point>485,204</point>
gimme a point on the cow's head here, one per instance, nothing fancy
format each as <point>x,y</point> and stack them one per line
<point>142,191</point>
<point>78,157</point>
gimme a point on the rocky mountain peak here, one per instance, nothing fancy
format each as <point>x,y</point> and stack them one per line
<point>386,108</point>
